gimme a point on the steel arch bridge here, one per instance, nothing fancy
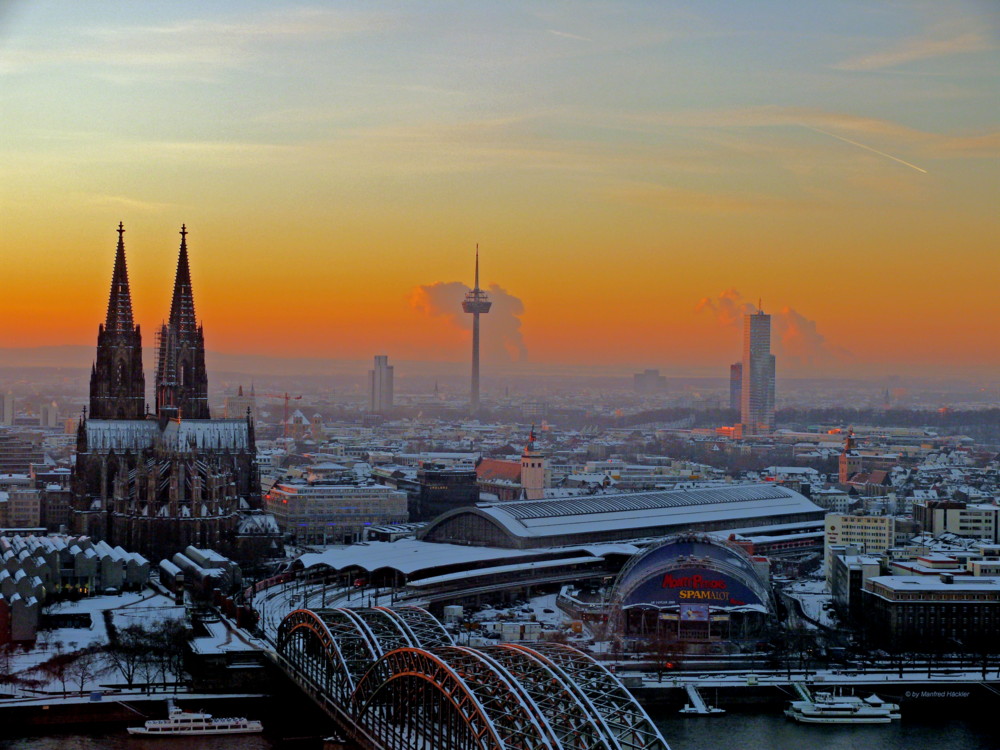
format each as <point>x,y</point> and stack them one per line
<point>395,680</point>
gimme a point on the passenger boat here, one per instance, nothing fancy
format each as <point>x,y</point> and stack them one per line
<point>181,723</point>
<point>827,708</point>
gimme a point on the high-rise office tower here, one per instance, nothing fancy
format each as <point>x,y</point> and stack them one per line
<point>477,302</point>
<point>380,386</point>
<point>757,394</point>
<point>735,385</point>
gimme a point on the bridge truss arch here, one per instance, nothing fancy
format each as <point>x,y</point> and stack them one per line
<point>399,676</point>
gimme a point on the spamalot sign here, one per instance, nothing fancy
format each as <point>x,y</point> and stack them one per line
<point>692,585</point>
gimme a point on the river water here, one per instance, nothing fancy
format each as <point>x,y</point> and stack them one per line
<point>732,731</point>
<point>773,731</point>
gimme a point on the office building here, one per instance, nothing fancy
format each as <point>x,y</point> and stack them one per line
<point>757,381</point>
<point>648,382</point>
<point>735,385</point>
<point>869,535</point>
<point>332,511</point>
<point>238,406</point>
<point>380,386</point>
<point>932,613</point>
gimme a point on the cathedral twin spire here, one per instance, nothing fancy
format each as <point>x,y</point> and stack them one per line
<point>120,299</point>
<point>117,383</point>
<point>182,303</point>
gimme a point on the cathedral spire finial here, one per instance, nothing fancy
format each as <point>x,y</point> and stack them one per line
<point>120,299</point>
<point>182,303</point>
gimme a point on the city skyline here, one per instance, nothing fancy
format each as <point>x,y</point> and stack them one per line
<point>854,141</point>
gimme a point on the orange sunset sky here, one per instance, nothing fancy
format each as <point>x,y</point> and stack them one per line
<point>635,173</point>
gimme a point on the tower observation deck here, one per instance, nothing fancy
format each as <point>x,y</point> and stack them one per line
<point>476,303</point>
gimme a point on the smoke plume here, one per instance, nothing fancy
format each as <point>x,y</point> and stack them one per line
<point>500,330</point>
<point>794,337</point>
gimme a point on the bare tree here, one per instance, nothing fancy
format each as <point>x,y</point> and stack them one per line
<point>128,649</point>
<point>56,667</point>
<point>7,676</point>
<point>89,664</point>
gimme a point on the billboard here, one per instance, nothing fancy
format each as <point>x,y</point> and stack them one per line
<point>694,613</point>
<point>690,571</point>
<point>684,586</point>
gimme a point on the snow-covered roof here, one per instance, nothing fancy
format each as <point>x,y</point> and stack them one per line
<point>206,434</point>
<point>641,510</point>
<point>925,584</point>
<point>177,435</point>
<point>499,569</point>
<point>120,434</point>
<point>410,555</point>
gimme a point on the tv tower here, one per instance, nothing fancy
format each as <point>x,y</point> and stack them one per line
<point>478,303</point>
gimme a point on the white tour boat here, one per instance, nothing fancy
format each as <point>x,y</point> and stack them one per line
<point>827,708</point>
<point>181,723</point>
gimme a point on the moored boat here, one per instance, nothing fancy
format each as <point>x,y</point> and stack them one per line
<point>180,723</point>
<point>827,708</point>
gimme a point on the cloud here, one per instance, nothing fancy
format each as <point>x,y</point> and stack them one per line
<point>928,144</point>
<point>795,338</point>
<point>694,201</point>
<point>567,35</point>
<point>728,308</point>
<point>125,202</point>
<point>193,46</point>
<point>501,339</point>
<point>910,50</point>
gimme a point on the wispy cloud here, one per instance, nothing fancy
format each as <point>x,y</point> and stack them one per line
<point>191,44</point>
<point>924,48</point>
<point>935,145</point>
<point>670,198</point>
<point>124,202</point>
<point>567,35</point>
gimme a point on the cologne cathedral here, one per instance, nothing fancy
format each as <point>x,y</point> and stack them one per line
<point>156,482</point>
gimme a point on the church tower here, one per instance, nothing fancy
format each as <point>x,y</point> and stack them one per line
<point>117,385</point>
<point>181,378</point>
<point>535,473</point>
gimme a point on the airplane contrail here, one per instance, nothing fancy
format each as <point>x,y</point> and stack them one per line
<point>867,148</point>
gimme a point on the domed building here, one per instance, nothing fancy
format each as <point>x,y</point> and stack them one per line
<point>692,588</point>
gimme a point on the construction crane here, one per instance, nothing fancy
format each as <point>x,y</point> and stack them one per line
<point>286,398</point>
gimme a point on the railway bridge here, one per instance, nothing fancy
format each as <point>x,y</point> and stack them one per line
<point>394,679</point>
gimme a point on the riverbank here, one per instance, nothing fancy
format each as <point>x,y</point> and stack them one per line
<point>27,714</point>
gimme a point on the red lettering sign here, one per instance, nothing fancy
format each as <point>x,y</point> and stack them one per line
<point>692,582</point>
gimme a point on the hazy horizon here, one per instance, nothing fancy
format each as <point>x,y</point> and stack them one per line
<point>81,356</point>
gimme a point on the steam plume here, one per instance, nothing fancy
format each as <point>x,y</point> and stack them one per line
<point>795,338</point>
<point>501,338</point>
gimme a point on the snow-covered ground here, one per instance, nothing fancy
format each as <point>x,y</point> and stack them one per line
<point>146,607</point>
<point>816,602</point>
<point>538,609</point>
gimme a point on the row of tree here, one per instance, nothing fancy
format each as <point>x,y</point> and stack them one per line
<point>144,653</point>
